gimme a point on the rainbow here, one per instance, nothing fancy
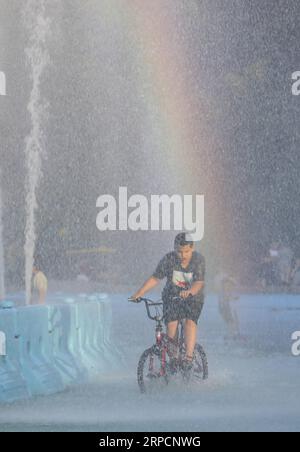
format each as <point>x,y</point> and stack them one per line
<point>166,77</point>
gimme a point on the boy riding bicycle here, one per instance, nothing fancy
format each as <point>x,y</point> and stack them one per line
<point>184,269</point>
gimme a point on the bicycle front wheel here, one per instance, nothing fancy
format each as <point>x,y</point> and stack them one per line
<point>151,371</point>
<point>200,367</point>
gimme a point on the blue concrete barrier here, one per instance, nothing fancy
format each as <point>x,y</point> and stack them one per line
<point>89,323</point>
<point>54,346</point>
<point>12,384</point>
<point>111,350</point>
<point>65,343</point>
<point>36,353</point>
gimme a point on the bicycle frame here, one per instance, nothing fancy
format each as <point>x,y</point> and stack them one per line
<point>162,340</point>
<point>157,364</point>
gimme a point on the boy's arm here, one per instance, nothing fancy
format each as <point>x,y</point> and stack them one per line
<point>197,286</point>
<point>146,287</point>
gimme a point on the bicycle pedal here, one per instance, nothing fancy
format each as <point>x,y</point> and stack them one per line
<point>173,366</point>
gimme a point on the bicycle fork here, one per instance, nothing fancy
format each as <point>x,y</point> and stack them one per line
<point>163,350</point>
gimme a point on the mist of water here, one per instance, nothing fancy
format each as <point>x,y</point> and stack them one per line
<point>2,272</point>
<point>38,27</point>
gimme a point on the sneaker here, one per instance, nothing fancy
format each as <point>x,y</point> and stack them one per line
<point>187,367</point>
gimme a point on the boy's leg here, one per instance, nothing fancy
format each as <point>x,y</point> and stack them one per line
<point>172,329</point>
<point>171,332</point>
<point>190,334</point>
<point>193,309</point>
<point>172,314</point>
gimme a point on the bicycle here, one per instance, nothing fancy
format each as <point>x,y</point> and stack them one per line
<point>156,364</point>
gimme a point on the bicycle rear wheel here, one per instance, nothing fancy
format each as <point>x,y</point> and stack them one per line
<point>151,374</point>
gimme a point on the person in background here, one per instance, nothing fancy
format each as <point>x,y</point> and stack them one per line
<point>40,282</point>
<point>226,286</point>
<point>84,272</point>
<point>295,275</point>
<point>285,260</point>
<point>269,271</point>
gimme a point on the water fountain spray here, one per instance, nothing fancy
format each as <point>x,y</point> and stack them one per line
<point>38,27</point>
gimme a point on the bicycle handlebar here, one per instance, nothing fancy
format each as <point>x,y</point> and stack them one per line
<point>148,303</point>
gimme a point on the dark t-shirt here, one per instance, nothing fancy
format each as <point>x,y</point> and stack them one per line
<point>179,278</point>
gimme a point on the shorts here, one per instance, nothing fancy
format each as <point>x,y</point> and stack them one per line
<point>179,309</point>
